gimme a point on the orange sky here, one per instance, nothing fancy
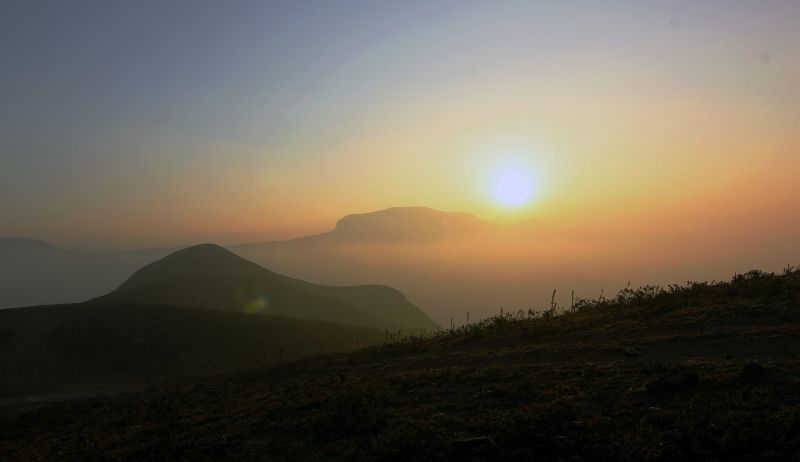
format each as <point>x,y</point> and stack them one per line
<point>677,117</point>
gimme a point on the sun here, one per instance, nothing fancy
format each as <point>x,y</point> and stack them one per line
<point>513,174</point>
<point>512,185</point>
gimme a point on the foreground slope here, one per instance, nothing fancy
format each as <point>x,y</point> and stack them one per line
<point>703,372</point>
<point>50,351</point>
<point>209,276</point>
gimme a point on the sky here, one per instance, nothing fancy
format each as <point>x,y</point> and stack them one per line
<point>134,124</point>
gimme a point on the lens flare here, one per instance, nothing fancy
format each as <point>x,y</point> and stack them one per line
<point>256,305</point>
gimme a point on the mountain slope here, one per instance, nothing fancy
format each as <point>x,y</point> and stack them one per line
<point>209,276</point>
<point>85,348</point>
<point>379,301</point>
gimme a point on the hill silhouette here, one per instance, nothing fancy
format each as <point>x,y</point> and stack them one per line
<point>50,352</point>
<point>695,372</point>
<point>209,276</point>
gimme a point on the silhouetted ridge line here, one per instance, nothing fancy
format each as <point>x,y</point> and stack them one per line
<point>209,276</point>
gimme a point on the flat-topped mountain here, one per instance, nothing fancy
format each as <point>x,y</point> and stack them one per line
<point>209,276</point>
<point>401,224</point>
<point>408,223</point>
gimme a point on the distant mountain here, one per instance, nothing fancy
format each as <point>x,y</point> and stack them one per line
<point>209,276</point>
<point>23,244</point>
<point>408,223</point>
<point>56,352</point>
<point>34,272</point>
<point>398,224</point>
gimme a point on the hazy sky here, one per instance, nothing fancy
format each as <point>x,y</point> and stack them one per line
<point>126,124</point>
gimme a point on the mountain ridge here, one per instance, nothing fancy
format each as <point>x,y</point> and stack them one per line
<point>209,276</point>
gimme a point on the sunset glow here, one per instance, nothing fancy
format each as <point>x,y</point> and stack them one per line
<point>501,111</point>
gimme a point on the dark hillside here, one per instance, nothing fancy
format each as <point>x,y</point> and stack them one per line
<point>83,349</point>
<point>700,372</point>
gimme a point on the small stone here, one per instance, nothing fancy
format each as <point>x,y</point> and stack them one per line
<point>576,425</point>
<point>492,393</point>
<point>630,352</point>
<point>752,371</point>
<point>479,443</point>
<point>672,383</point>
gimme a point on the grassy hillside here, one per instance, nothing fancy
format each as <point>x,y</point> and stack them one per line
<point>699,372</point>
<point>209,276</point>
<point>66,349</point>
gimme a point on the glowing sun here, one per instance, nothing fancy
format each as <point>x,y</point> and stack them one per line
<point>512,185</point>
